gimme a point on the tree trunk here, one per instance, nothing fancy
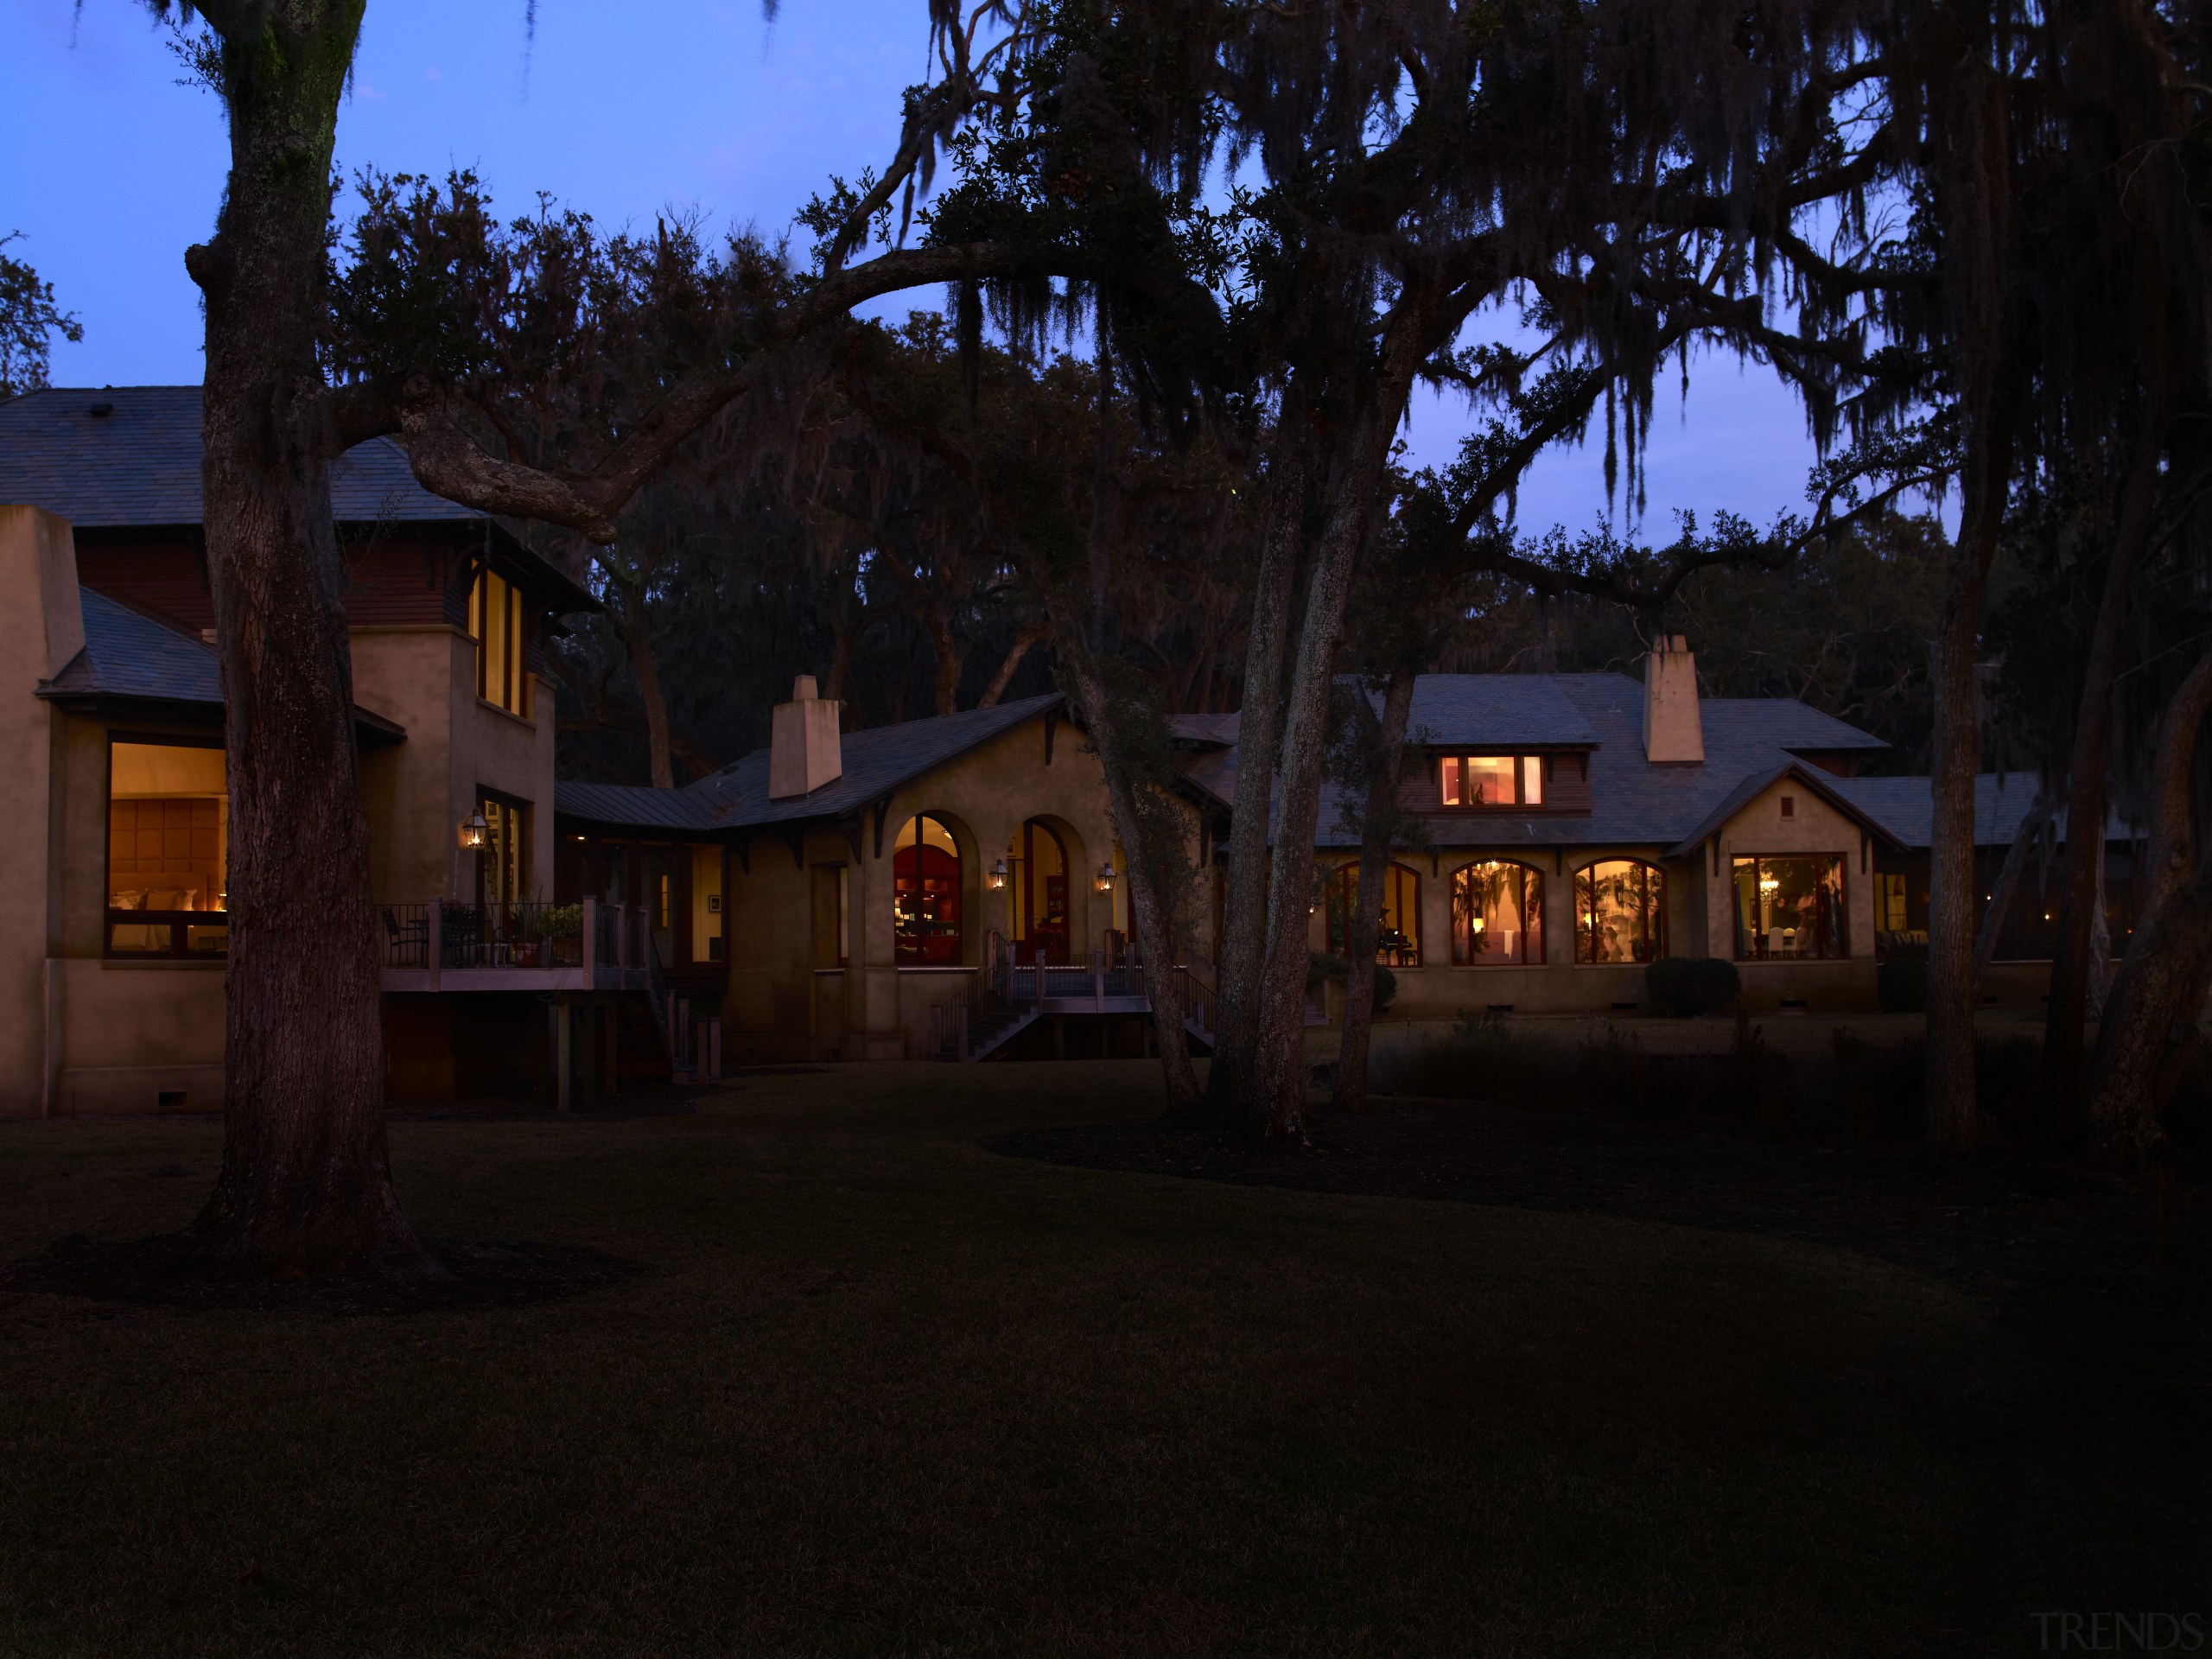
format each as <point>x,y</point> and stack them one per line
<point>1150,909</point>
<point>1953,1114</point>
<point>637,639</point>
<point>2167,954</point>
<point>1274,1106</point>
<point>1035,634</point>
<point>1259,735</point>
<point>2064,1037</point>
<point>1364,939</point>
<point>305,1187</point>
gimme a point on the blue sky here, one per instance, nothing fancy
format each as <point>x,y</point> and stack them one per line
<point>622,110</point>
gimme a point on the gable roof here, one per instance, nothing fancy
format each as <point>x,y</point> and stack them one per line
<point>1744,794</point>
<point>876,761</point>
<point>1633,803</point>
<point>139,465</point>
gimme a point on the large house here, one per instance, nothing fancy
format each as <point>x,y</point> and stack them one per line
<point>112,917</point>
<point>945,888</point>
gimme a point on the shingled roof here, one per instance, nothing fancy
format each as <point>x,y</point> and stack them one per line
<point>876,761</point>
<point>131,657</point>
<point>1633,803</point>
<point>138,465</point>
<point>129,654</point>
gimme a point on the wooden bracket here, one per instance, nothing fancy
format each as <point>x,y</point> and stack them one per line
<point>743,846</point>
<point>850,826</point>
<point>795,840</point>
<point>882,811</point>
<point>1716,855</point>
<point>1051,725</point>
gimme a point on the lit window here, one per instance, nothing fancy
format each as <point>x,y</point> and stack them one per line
<point>1620,913</point>
<point>1497,915</point>
<point>706,904</point>
<point>925,892</point>
<point>1894,914</point>
<point>499,626</point>
<point>1479,780</point>
<point>503,867</point>
<point>1791,908</point>
<point>1398,935</point>
<point>168,822</point>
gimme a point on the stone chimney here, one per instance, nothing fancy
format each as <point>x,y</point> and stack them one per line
<point>805,749</point>
<point>1674,731</point>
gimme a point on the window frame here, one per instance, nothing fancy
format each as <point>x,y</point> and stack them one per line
<point>1453,765</point>
<point>1654,909</point>
<point>513,695</point>
<point>1532,879</point>
<point>1341,881</point>
<point>1837,862</point>
<point>180,924</point>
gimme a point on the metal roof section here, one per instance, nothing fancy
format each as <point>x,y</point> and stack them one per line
<point>2001,800</point>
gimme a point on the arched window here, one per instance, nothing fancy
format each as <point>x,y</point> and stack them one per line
<point>1037,907</point>
<point>1399,938</point>
<point>1497,915</point>
<point>925,892</point>
<point>1620,911</point>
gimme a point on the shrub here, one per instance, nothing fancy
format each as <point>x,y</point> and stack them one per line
<point>1691,985</point>
<point>1900,985</point>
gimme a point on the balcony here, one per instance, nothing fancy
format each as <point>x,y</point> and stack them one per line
<point>443,945</point>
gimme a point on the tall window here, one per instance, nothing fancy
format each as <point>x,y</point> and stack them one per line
<point>503,867</point>
<point>1791,908</point>
<point>168,826</point>
<point>1895,913</point>
<point>1479,780</point>
<point>499,626</point>
<point>1497,915</point>
<point>1620,913</point>
<point>925,894</point>
<point>1037,902</point>
<point>706,904</point>
<point>1398,939</point>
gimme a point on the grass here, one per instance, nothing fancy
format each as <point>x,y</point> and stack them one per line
<point>883,1391</point>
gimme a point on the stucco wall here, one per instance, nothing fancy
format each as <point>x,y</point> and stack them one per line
<point>784,1004</point>
<point>1701,921</point>
<point>38,565</point>
<point>417,793</point>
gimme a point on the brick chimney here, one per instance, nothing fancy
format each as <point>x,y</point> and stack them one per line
<point>805,749</point>
<point>1674,731</point>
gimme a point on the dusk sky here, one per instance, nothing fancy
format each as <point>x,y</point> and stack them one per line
<point>114,168</point>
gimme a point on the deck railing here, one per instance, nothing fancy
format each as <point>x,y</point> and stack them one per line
<point>446,935</point>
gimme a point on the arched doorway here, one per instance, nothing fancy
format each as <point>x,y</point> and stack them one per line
<point>925,894</point>
<point>1038,894</point>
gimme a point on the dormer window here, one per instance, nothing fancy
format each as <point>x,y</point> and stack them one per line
<point>1480,780</point>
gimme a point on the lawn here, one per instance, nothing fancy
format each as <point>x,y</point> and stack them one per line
<point>879,1390</point>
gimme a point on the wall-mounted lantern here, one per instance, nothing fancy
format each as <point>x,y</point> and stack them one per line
<point>475,834</point>
<point>1106,877</point>
<point>995,880</point>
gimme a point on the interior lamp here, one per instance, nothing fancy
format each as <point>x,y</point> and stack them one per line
<point>475,834</point>
<point>995,880</point>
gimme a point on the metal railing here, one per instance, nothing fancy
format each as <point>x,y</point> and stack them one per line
<point>524,935</point>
